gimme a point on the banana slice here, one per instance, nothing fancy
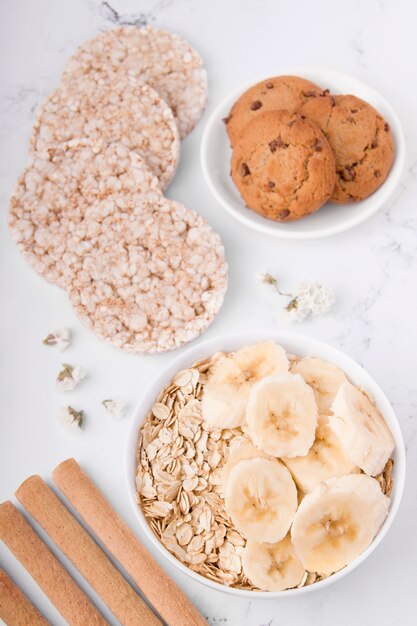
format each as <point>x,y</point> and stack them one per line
<point>272,566</point>
<point>325,378</point>
<point>232,377</point>
<point>282,415</point>
<point>337,521</point>
<point>361,429</point>
<point>261,498</point>
<point>245,452</point>
<point>325,459</point>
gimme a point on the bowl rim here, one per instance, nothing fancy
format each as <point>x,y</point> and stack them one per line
<point>238,339</point>
<point>275,229</point>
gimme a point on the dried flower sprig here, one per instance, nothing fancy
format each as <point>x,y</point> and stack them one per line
<point>69,377</point>
<point>114,408</point>
<point>271,281</point>
<point>309,299</point>
<point>61,338</point>
<point>70,419</point>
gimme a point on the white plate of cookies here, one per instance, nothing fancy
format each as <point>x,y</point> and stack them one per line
<point>307,153</point>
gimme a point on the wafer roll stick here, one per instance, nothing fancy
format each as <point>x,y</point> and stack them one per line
<point>89,559</point>
<point>15,608</point>
<point>35,556</point>
<point>170,602</point>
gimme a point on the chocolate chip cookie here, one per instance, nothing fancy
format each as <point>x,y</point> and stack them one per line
<point>361,141</point>
<point>272,94</point>
<point>283,166</point>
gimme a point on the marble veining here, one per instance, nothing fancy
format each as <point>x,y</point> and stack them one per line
<point>372,268</point>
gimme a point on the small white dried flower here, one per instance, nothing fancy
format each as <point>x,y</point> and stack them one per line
<point>114,408</point>
<point>60,338</point>
<point>270,281</point>
<point>310,299</point>
<point>297,310</point>
<point>69,377</point>
<point>70,419</point>
<point>267,279</point>
<point>323,299</point>
<point>318,298</point>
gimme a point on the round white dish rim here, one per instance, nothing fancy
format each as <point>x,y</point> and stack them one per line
<point>215,162</point>
<point>295,343</point>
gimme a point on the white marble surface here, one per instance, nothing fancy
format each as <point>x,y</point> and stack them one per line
<point>373,268</point>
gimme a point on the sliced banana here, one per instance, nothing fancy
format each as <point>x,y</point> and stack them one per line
<point>325,378</point>
<point>282,415</point>
<point>361,429</point>
<point>245,452</point>
<point>232,377</point>
<point>261,498</point>
<point>325,459</point>
<point>272,566</point>
<point>337,521</point>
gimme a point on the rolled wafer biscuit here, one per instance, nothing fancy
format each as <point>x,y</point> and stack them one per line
<point>15,608</point>
<point>170,602</point>
<point>77,545</point>
<point>35,556</point>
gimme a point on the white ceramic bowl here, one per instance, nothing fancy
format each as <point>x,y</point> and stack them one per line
<point>296,344</point>
<point>331,218</point>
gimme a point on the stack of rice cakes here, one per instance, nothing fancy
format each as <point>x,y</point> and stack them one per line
<point>89,213</point>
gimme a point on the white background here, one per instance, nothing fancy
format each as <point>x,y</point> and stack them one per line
<point>373,269</point>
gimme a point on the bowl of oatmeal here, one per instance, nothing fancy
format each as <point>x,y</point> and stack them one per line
<point>265,463</point>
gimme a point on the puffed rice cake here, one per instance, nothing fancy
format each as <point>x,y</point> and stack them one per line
<point>154,283</point>
<point>111,107</point>
<point>157,57</point>
<point>67,185</point>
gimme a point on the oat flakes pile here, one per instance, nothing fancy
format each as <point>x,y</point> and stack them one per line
<point>88,211</point>
<point>162,59</point>
<point>179,481</point>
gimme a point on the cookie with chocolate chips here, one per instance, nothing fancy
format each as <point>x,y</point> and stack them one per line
<point>361,141</point>
<point>272,94</point>
<point>283,166</point>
